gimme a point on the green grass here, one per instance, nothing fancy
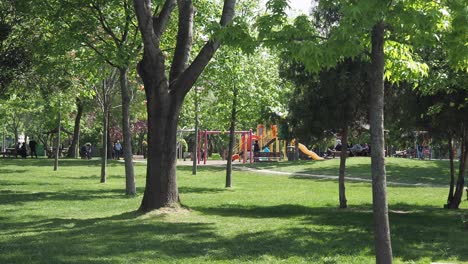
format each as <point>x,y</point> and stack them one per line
<point>69,217</point>
<point>434,172</point>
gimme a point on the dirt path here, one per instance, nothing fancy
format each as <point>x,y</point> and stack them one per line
<point>239,167</point>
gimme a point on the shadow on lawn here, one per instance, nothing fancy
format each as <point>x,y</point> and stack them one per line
<point>19,197</point>
<point>322,232</point>
<point>416,231</point>
<point>9,171</point>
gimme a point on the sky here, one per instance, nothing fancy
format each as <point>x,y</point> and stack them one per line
<point>299,6</point>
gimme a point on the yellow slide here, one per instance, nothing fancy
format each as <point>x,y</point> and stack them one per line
<point>309,153</point>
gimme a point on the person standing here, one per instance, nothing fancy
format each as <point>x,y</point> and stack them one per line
<point>32,147</point>
<point>23,151</point>
<point>118,149</point>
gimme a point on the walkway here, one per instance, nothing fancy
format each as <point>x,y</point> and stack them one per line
<point>238,166</point>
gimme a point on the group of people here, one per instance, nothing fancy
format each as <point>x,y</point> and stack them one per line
<point>86,150</point>
<point>354,150</point>
<point>256,147</point>
<point>22,149</point>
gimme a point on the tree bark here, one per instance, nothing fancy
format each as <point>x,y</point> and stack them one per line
<point>452,173</point>
<point>109,147</point>
<point>195,145</point>
<point>457,196</point>
<point>130,188</point>
<point>161,184</point>
<point>383,247</point>
<point>231,139</point>
<point>105,123</point>
<point>341,177</point>
<point>72,153</point>
<point>57,144</point>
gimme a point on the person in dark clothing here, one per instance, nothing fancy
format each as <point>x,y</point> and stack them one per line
<point>32,146</point>
<point>338,147</point>
<point>17,149</point>
<point>23,151</point>
<point>256,146</point>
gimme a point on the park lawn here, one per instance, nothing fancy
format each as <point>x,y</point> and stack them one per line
<point>400,170</point>
<point>69,217</point>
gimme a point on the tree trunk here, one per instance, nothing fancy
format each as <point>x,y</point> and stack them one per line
<point>461,170</point>
<point>161,184</point>
<point>231,139</point>
<point>76,130</point>
<point>105,123</point>
<point>130,188</point>
<point>57,144</point>
<point>195,147</point>
<point>296,149</point>
<point>383,247</point>
<point>452,173</point>
<point>165,97</point>
<point>109,147</point>
<point>341,178</point>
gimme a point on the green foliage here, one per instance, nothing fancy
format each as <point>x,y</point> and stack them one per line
<point>328,101</point>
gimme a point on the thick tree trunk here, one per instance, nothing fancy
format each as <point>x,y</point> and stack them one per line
<point>457,196</point>
<point>105,123</point>
<point>383,247</point>
<point>57,144</point>
<point>72,153</point>
<point>161,184</point>
<point>130,188</point>
<point>341,178</point>
<point>231,139</point>
<point>452,173</point>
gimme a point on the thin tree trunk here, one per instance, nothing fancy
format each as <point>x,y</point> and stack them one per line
<point>296,149</point>
<point>110,147</point>
<point>383,247</point>
<point>57,144</point>
<point>457,197</point>
<point>231,139</point>
<point>105,123</point>
<point>76,130</point>
<point>195,147</point>
<point>130,188</point>
<point>341,178</point>
<point>452,173</point>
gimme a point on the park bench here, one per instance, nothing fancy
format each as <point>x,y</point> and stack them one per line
<point>8,153</point>
<point>51,152</point>
<point>337,153</point>
<point>266,156</point>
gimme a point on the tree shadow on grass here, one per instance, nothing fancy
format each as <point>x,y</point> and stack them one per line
<point>321,233</point>
<point>200,190</point>
<point>9,171</point>
<point>20,197</point>
<point>417,232</point>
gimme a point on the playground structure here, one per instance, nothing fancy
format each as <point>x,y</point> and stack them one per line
<point>309,153</point>
<point>269,144</point>
<point>246,144</point>
<point>243,150</point>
